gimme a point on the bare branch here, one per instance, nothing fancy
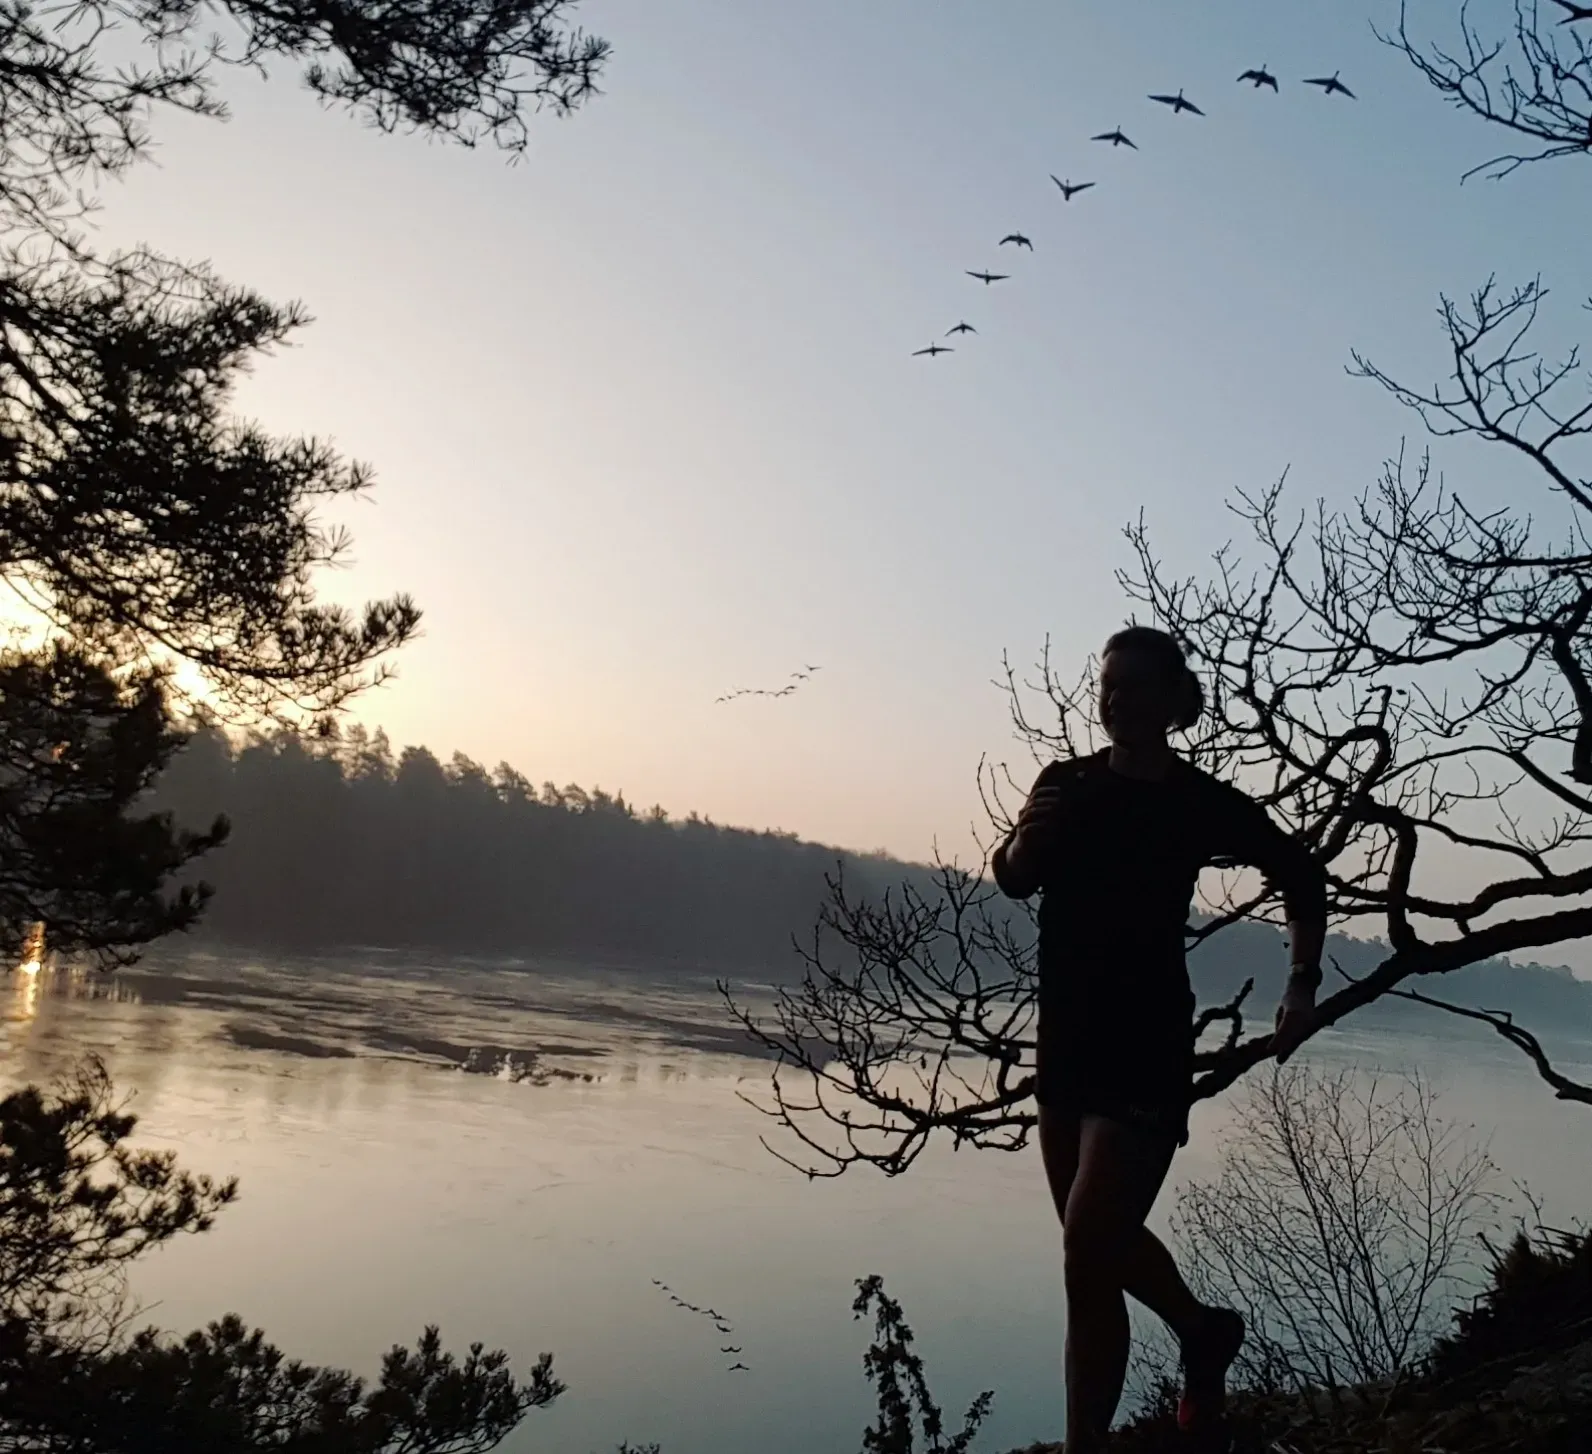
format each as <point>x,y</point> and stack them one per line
<point>1535,83</point>
<point>1523,1040</point>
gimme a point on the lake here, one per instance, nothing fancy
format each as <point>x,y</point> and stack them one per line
<point>384,1187</point>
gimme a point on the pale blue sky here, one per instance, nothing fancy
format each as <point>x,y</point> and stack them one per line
<point>642,411</point>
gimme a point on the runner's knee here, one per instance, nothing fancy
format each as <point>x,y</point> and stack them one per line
<point>1094,1243</point>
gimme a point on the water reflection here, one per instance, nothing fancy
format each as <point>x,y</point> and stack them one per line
<point>26,975</point>
<point>498,1023</point>
<point>398,1169</point>
<point>25,999</point>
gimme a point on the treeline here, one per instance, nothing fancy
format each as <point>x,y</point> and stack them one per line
<point>1546,998</point>
<point>342,841</point>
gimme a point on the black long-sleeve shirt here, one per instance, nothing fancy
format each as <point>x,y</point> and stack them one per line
<point>1119,877</point>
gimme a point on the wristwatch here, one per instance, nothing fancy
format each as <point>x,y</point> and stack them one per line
<point>1305,974</point>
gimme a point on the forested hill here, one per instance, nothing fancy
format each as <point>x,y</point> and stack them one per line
<point>346,843</point>
<point>342,843</point>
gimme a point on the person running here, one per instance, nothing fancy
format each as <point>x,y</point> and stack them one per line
<point>1114,843</point>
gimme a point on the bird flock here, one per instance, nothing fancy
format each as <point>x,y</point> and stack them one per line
<point>796,679</point>
<point>721,1324</point>
<point>1256,77</point>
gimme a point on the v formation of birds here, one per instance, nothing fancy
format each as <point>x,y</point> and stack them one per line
<point>720,1323</point>
<point>1257,77</point>
<point>796,679</point>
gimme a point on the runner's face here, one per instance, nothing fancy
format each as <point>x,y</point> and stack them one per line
<point>1135,698</point>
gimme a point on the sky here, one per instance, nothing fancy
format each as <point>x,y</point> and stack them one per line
<point>642,409</point>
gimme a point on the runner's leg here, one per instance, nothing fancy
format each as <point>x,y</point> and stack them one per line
<point>1119,1173</point>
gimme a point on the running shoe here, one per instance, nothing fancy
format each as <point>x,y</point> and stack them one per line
<point>1205,1366</point>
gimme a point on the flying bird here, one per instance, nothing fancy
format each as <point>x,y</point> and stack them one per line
<point>1331,83</point>
<point>1116,138</point>
<point>931,350</point>
<point>1178,103</point>
<point>1574,12</point>
<point>721,1328</point>
<point>1261,77</point>
<point>988,278</point>
<point>961,328</point>
<point>1068,188</point>
<point>656,1283</point>
<point>729,1350</point>
<point>1017,238</point>
<point>739,1367</point>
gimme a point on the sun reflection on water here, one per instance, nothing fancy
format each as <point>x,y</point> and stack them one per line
<point>27,994</point>
<point>28,973</point>
<point>33,951</point>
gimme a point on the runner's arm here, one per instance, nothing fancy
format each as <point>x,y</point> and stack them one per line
<point>1013,865</point>
<point>1246,833</point>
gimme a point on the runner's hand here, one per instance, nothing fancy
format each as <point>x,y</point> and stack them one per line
<point>1039,819</point>
<point>1296,1018</point>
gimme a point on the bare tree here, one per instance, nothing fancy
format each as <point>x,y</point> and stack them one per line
<point>1535,82</point>
<point>1411,676</point>
<point>1406,684</point>
<point>1341,1225</point>
<point>913,1016</point>
<point>1405,678</point>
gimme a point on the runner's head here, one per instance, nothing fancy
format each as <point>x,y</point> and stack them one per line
<point>1146,687</point>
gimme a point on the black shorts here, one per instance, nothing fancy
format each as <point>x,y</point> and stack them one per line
<point>1129,1062</point>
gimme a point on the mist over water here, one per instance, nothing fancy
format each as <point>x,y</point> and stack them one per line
<point>515,1150</point>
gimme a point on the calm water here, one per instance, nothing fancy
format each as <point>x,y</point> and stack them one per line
<point>384,1188</point>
